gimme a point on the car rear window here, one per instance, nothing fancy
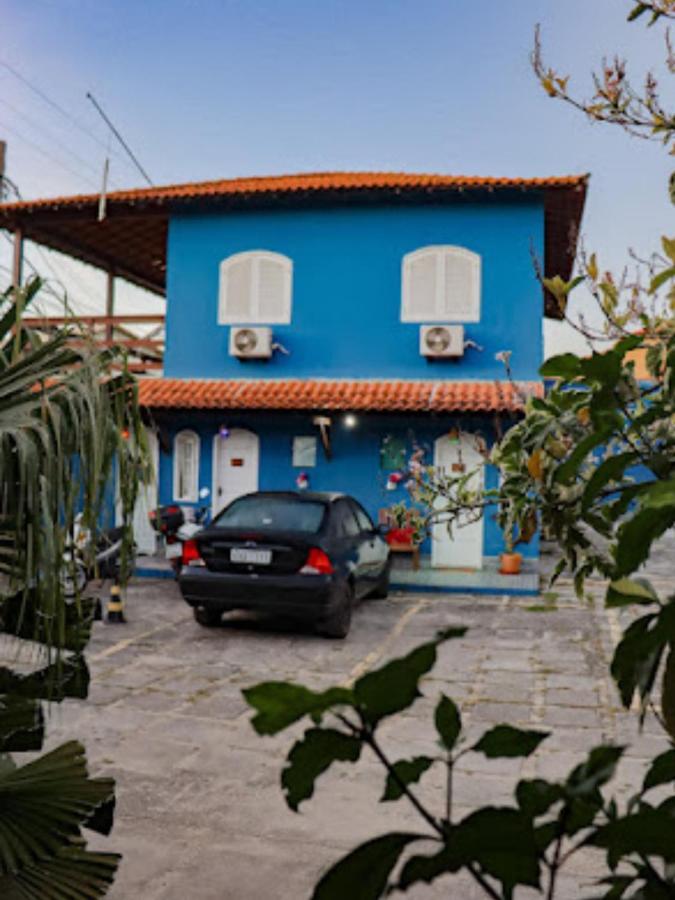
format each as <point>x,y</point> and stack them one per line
<point>273,514</point>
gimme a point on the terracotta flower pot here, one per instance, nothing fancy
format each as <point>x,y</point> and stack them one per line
<point>510,563</point>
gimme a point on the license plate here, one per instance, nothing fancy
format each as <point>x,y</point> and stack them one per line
<point>173,551</point>
<point>256,557</point>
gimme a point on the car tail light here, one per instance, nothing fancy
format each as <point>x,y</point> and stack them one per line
<point>317,563</point>
<point>191,554</point>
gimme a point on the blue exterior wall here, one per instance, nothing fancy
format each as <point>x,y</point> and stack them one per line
<point>347,288</point>
<point>355,464</point>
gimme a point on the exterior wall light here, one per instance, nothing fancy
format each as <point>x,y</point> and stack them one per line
<point>224,431</point>
<point>350,420</point>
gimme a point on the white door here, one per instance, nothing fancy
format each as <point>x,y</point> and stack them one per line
<point>463,548</point>
<point>235,466</point>
<point>144,534</point>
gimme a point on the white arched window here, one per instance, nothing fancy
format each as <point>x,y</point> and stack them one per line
<point>441,284</point>
<point>255,288</point>
<point>186,467</point>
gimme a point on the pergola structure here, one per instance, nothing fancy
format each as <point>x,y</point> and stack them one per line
<point>125,233</point>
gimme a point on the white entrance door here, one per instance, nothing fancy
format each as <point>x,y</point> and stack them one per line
<point>235,466</point>
<point>463,549</point>
<point>144,534</point>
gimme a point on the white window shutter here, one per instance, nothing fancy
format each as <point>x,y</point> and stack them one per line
<point>441,284</point>
<point>255,289</point>
<point>420,286</point>
<point>460,298</point>
<point>273,289</point>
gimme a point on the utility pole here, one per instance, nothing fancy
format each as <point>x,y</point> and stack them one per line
<point>17,256</point>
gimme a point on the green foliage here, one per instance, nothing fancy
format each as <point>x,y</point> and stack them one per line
<point>507,741</point>
<point>365,869</point>
<point>395,687</point>
<point>403,773</point>
<point>448,722</point>
<point>280,704</point>
<point>311,756</point>
<point>63,417</point>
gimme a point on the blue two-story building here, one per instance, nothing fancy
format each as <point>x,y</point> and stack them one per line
<point>330,331</point>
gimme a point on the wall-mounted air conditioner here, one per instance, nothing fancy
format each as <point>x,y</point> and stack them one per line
<point>251,343</point>
<point>442,341</point>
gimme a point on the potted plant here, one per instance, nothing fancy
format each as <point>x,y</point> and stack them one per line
<point>405,525</point>
<point>518,522</point>
<point>510,562</point>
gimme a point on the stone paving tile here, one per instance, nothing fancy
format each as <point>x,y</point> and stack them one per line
<point>200,812</point>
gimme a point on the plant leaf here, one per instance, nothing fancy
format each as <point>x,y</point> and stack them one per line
<point>598,768</point>
<point>537,796</point>
<point>73,874</point>
<point>502,841</point>
<point>661,771</point>
<point>648,833</point>
<point>637,656</point>
<point>364,872</point>
<point>628,591</point>
<point>428,868</point>
<point>395,686</point>
<point>43,804</point>
<point>310,757</point>
<point>407,771</point>
<point>507,741</point>
<point>448,722</point>
<point>281,703</point>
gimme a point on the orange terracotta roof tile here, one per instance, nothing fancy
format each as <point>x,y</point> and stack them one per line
<point>320,395</point>
<point>307,183</point>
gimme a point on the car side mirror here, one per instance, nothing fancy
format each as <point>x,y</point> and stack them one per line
<point>382,529</point>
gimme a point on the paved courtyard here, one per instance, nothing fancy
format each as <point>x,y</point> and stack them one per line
<point>200,814</point>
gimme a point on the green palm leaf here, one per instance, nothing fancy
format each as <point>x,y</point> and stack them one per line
<point>73,874</point>
<point>43,805</point>
<point>63,422</point>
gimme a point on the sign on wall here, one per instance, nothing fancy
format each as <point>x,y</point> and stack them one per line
<point>304,452</point>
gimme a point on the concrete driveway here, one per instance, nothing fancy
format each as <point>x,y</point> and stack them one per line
<point>200,814</point>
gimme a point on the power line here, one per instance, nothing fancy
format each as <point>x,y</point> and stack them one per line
<point>119,138</point>
<point>45,133</point>
<point>47,154</point>
<point>57,106</point>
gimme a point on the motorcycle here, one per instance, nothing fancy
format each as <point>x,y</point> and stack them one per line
<point>80,565</point>
<point>170,522</point>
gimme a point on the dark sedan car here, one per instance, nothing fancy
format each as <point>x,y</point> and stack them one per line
<point>305,555</point>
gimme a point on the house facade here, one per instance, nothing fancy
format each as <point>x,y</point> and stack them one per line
<point>323,331</point>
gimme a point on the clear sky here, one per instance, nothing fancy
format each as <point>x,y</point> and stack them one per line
<point>221,88</point>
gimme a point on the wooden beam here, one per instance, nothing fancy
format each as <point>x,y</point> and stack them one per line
<point>123,342</point>
<point>132,319</point>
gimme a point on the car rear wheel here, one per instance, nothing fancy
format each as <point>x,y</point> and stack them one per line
<point>381,592</point>
<point>209,618</point>
<point>337,624</point>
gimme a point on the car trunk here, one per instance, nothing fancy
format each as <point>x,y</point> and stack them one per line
<point>268,552</point>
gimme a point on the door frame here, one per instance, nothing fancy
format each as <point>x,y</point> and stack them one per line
<point>153,448</point>
<point>218,441</point>
<point>481,521</point>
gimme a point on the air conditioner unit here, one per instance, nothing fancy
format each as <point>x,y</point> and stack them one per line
<point>251,343</point>
<point>440,341</point>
